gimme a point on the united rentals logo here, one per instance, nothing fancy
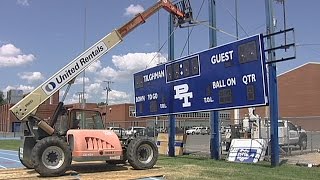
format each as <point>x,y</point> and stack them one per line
<point>51,86</point>
<point>70,71</point>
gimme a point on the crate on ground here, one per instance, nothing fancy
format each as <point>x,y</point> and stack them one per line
<point>179,144</point>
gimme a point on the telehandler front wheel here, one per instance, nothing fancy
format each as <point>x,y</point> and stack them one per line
<point>51,156</point>
<point>142,153</point>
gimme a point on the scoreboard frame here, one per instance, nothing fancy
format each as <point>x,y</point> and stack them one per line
<point>228,76</point>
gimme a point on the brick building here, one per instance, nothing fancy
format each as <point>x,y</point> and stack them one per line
<point>121,115</point>
<point>298,96</point>
<point>9,123</point>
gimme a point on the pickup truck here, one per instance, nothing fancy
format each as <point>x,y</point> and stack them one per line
<point>289,134</point>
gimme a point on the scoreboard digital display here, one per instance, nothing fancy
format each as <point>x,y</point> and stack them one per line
<point>225,77</point>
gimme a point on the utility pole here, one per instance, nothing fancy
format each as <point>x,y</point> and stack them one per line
<point>80,97</point>
<point>108,89</point>
<point>84,47</point>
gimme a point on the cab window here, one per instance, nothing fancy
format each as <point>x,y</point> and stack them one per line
<point>87,120</point>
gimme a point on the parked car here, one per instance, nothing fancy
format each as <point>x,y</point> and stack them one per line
<point>118,130</point>
<point>205,130</point>
<point>135,131</point>
<point>151,132</point>
<point>196,130</point>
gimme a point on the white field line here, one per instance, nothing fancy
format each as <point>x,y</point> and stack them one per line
<point>10,159</point>
<point>8,150</point>
<point>3,167</point>
<point>9,154</point>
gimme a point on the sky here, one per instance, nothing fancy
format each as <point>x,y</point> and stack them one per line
<point>38,38</point>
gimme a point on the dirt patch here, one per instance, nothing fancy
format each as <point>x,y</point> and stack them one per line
<point>87,171</point>
<point>310,158</point>
<point>103,171</point>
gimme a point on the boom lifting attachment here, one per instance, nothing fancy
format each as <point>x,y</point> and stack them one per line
<point>29,104</point>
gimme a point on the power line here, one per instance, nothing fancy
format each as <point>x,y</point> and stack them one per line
<point>161,47</point>
<point>235,19</point>
<point>205,24</point>
<point>189,33</point>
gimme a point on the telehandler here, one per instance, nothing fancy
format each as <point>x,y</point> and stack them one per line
<point>75,134</point>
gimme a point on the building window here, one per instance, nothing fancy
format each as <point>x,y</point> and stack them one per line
<point>132,111</point>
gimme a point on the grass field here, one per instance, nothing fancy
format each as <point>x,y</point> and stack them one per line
<point>191,167</point>
<point>10,144</point>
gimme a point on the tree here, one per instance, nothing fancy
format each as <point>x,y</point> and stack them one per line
<point>2,100</point>
<point>101,103</point>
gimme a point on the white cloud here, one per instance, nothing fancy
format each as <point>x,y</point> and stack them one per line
<point>117,97</point>
<point>76,98</point>
<point>132,10</point>
<point>23,2</point>
<point>130,63</point>
<point>12,56</point>
<point>94,88</point>
<point>73,99</point>
<point>137,61</point>
<point>25,89</point>
<point>79,80</point>
<point>108,73</point>
<point>31,76</point>
<point>94,67</point>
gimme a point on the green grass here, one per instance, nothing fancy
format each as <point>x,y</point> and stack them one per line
<point>11,144</point>
<point>192,167</point>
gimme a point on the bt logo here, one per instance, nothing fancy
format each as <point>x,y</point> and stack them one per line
<point>182,93</point>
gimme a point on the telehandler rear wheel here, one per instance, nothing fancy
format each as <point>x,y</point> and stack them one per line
<point>142,153</point>
<point>51,156</point>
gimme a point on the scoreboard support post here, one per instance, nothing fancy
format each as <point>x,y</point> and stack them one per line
<point>214,115</point>
<point>172,121</point>
<point>275,149</point>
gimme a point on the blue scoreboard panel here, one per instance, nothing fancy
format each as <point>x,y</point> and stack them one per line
<point>224,77</point>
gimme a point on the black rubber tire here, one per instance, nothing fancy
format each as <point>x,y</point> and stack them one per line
<point>54,148</point>
<point>27,164</point>
<point>142,153</point>
<point>193,133</point>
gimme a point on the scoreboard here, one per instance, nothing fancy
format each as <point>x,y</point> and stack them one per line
<point>225,77</point>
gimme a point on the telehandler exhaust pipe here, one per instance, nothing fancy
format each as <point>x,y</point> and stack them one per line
<point>45,126</point>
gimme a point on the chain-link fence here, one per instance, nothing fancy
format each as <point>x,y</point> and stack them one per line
<point>10,135</point>
<point>296,135</point>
